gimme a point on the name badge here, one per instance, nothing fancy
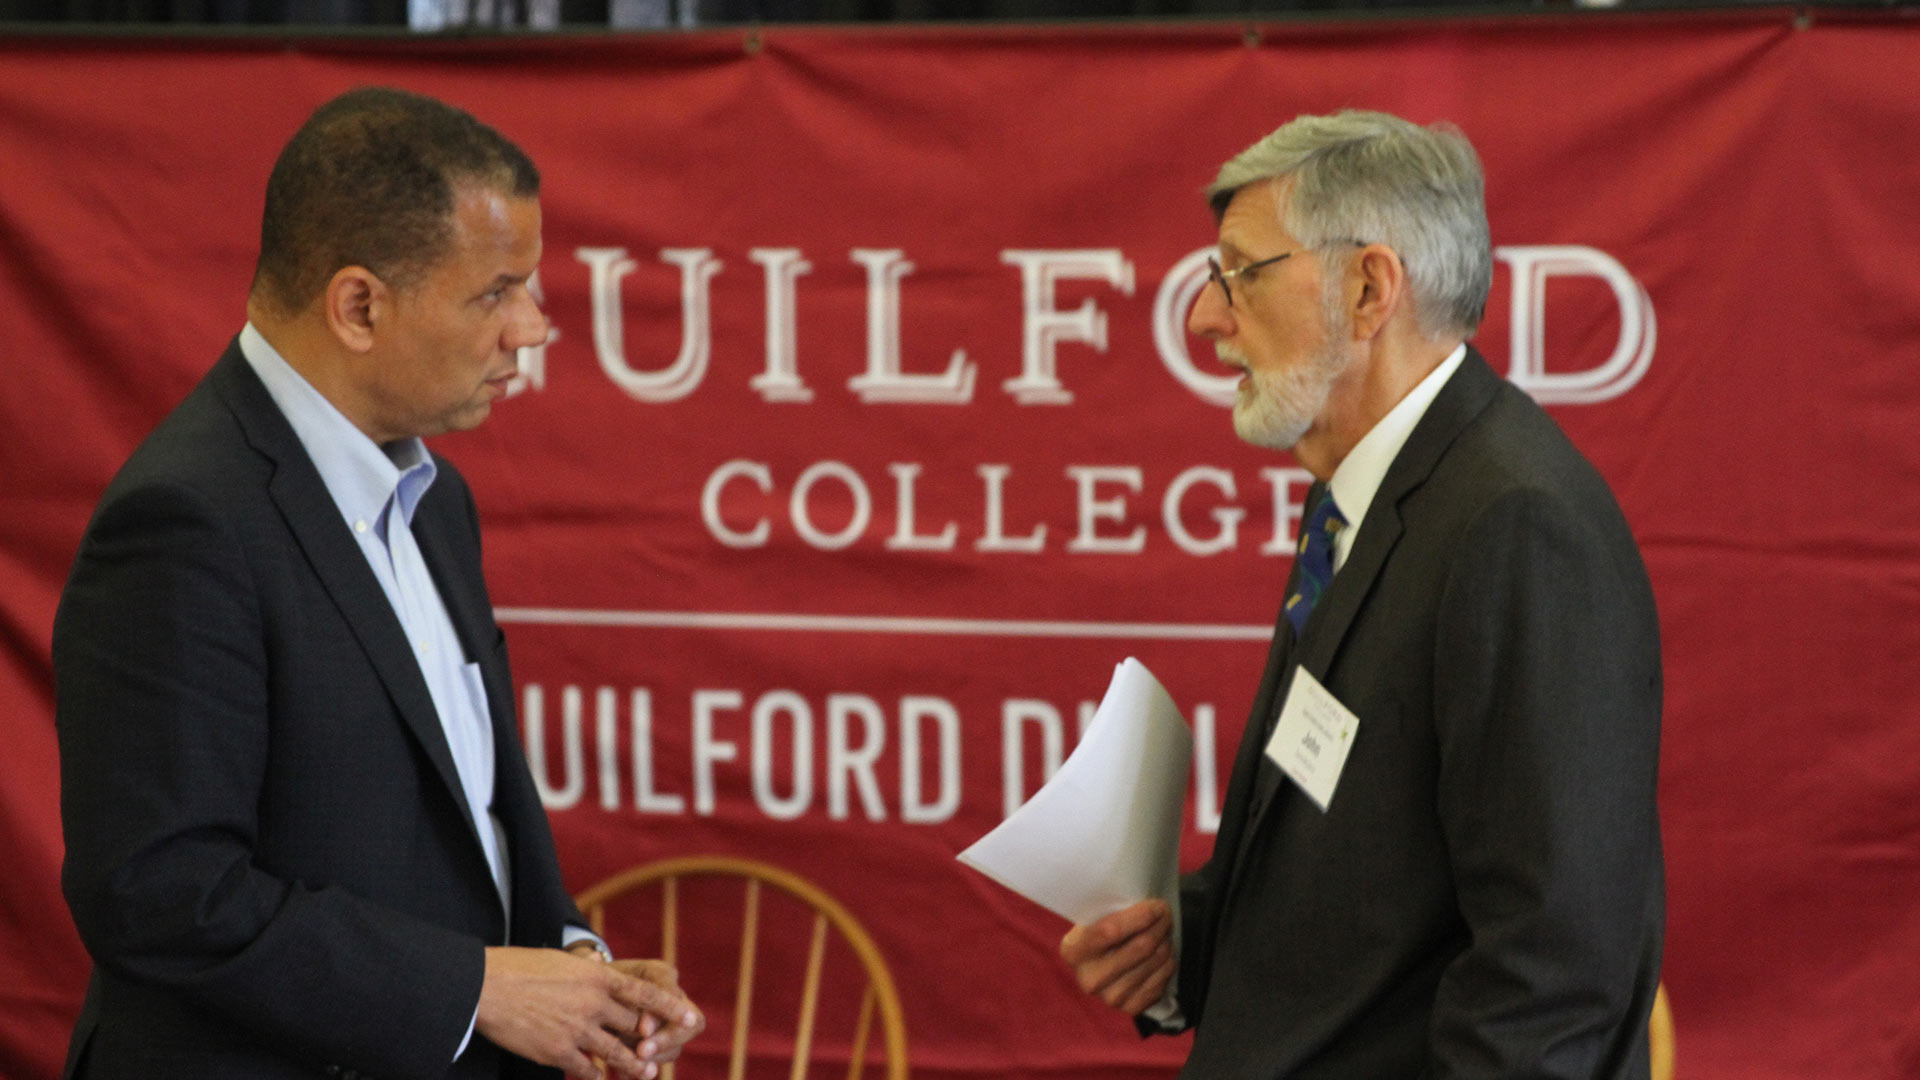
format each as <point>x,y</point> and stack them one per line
<point>1311,739</point>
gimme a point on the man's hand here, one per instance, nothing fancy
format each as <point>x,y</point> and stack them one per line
<point>555,1008</point>
<point>1126,958</point>
<point>663,1033</point>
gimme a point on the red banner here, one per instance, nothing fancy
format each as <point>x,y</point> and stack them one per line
<point>871,439</point>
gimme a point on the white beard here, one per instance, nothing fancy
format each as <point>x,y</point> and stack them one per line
<point>1273,409</point>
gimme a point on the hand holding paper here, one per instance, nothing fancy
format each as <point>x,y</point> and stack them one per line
<point>1100,845</point>
<point>1125,959</point>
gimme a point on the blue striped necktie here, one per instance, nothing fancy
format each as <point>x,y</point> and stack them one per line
<point>1315,559</point>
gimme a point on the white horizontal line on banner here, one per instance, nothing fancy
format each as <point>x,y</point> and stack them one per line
<point>881,624</point>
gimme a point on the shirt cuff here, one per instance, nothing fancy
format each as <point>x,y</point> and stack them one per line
<point>571,935</point>
<point>1166,1012</point>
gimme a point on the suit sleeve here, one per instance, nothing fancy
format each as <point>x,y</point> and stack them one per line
<point>1198,893</point>
<point>1547,704</point>
<point>163,722</point>
<point>1189,976</point>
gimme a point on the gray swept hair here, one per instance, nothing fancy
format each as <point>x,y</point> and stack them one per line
<point>1376,178</point>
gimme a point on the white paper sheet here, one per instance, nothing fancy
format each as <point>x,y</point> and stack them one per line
<point>1105,831</point>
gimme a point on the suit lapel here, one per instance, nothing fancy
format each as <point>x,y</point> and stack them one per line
<point>1250,786</point>
<point>1463,398</point>
<point>436,550</point>
<point>336,559</point>
<point>456,572</point>
<point>446,528</point>
<point>1254,777</point>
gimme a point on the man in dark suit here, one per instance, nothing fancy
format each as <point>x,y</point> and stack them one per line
<point>301,836</point>
<point>1439,854</point>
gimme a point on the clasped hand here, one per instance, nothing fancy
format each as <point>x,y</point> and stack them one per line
<point>587,1018</point>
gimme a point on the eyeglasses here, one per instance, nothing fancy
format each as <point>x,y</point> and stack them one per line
<point>1219,277</point>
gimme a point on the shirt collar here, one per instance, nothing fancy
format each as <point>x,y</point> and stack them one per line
<point>1357,478</point>
<point>362,477</point>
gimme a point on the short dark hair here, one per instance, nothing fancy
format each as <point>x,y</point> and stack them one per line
<point>370,180</point>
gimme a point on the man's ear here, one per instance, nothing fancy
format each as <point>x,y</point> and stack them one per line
<point>355,302</point>
<point>1377,281</point>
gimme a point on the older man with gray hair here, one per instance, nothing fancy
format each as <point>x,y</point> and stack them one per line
<point>1439,854</point>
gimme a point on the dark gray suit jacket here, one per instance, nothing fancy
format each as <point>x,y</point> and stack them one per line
<point>1484,895</point>
<point>268,855</point>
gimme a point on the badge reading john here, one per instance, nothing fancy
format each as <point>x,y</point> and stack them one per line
<point>1311,739</point>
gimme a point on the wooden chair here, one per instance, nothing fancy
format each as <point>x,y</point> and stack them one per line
<point>690,940</point>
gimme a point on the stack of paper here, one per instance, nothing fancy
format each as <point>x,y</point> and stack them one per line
<point>1105,831</point>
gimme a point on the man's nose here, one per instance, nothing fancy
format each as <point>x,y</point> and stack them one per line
<point>1212,316</point>
<point>528,326</point>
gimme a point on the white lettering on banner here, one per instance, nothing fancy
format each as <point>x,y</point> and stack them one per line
<point>1101,516</point>
<point>604,719</point>
<point>803,518</point>
<point>770,705</point>
<point>1206,772</point>
<point>1287,510</point>
<point>994,536</point>
<point>848,762</point>
<point>1089,477</point>
<point>708,750</point>
<point>1527,366</point>
<point>885,380</point>
<point>710,504</point>
<point>1227,517</point>
<point>781,381</point>
<point>914,809</point>
<point>645,798</point>
<point>1044,327</point>
<point>785,773</point>
<point>904,538</point>
<point>607,267</point>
